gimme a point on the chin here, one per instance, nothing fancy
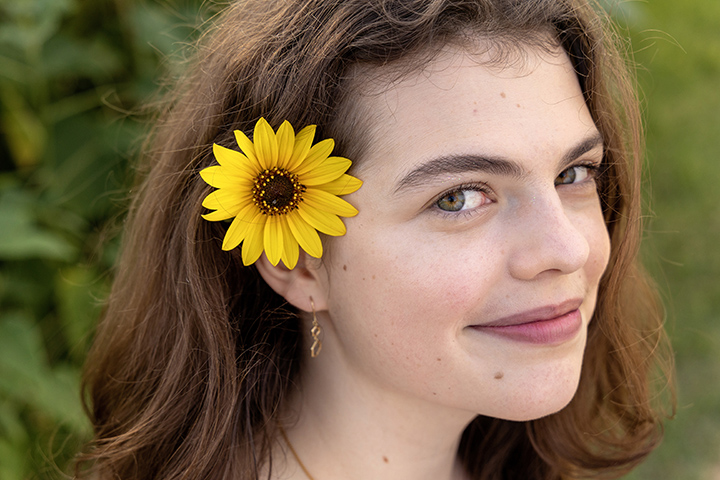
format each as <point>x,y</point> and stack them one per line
<point>538,392</point>
<point>541,410</point>
<point>542,401</point>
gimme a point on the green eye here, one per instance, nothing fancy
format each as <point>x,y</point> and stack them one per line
<point>452,202</point>
<point>462,198</point>
<point>572,175</point>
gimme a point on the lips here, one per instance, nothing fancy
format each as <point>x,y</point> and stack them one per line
<point>552,324</point>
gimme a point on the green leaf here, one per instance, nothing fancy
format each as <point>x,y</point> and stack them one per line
<point>78,290</point>
<point>67,57</point>
<point>11,426</point>
<point>25,132</point>
<point>26,378</point>
<point>22,354</point>
<point>29,23</point>
<point>14,463</point>
<point>21,238</point>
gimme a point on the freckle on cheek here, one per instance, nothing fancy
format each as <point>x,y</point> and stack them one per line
<point>502,94</point>
<point>373,277</point>
<point>344,267</point>
<point>439,359</point>
<point>499,375</point>
<point>385,459</point>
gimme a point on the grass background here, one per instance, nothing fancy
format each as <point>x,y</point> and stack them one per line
<point>71,70</point>
<point>677,45</point>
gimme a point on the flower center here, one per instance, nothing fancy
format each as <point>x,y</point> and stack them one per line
<point>277,191</point>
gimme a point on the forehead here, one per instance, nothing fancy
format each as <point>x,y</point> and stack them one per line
<point>467,100</point>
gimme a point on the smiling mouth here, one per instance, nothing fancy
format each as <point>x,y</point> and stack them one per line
<point>549,325</point>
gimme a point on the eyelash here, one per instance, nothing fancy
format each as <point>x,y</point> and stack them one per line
<point>594,172</point>
<point>481,188</point>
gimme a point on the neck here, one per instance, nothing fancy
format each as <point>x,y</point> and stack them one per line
<point>351,429</point>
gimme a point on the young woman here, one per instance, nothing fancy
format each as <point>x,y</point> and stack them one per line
<point>477,313</point>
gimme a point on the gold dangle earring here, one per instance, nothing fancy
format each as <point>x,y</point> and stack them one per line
<point>315,331</point>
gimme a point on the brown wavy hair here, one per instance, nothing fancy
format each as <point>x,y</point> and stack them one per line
<point>195,353</point>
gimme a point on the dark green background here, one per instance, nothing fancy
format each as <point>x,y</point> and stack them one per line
<point>73,75</point>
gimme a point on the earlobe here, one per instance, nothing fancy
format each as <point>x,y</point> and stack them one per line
<point>299,285</point>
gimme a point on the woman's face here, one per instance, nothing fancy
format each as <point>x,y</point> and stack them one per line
<point>471,273</point>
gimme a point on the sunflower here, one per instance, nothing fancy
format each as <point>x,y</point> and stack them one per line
<point>280,191</point>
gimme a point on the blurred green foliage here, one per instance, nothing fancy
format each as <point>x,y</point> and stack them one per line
<point>70,71</point>
<point>677,45</point>
<point>72,76</point>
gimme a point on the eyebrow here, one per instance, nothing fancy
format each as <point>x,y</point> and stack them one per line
<point>462,163</point>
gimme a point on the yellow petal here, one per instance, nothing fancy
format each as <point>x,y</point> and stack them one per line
<point>240,226</point>
<point>286,142</point>
<point>214,175</point>
<point>224,177</point>
<point>217,215</point>
<point>317,154</point>
<point>342,186</point>
<point>246,145</point>
<point>235,162</point>
<point>252,246</point>
<point>323,221</point>
<point>303,142</point>
<point>266,147</point>
<point>305,235</point>
<point>290,251</point>
<point>327,171</point>
<point>272,239</point>
<point>329,203</point>
<point>228,200</point>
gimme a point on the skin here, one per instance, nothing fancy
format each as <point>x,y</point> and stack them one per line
<point>403,369</point>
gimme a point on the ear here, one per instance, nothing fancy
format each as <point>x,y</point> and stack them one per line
<point>307,280</point>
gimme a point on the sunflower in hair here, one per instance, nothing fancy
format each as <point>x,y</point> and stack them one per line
<point>280,192</point>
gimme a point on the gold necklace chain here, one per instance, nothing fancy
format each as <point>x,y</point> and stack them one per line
<point>292,450</point>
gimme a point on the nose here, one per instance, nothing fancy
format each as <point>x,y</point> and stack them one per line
<point>548,237</point>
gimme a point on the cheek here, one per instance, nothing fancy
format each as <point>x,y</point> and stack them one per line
<point>397,295</point>
<point>599,250</point>
<point>406,278</point>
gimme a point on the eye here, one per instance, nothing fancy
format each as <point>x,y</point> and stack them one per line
<point>576,174</point>
<point>462,198</point>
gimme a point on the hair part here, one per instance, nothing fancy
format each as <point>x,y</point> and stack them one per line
<point>195,354</point>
